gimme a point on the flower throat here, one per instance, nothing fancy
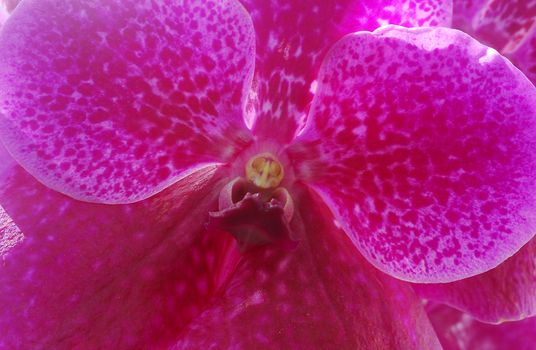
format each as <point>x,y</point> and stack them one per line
<point>254,209</point>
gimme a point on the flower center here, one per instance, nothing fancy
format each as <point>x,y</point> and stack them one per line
<point>255,217</point>
<point>264,170</point>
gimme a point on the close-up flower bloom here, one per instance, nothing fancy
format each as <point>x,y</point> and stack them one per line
<point>216,174</point>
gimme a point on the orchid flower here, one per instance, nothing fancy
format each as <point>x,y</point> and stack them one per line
<point>271,174</point>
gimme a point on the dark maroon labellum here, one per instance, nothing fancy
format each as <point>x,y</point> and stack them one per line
<point>254,218</point>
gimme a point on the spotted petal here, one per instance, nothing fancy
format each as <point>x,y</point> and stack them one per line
<point>422,141</point>
<point>524,56</point>
<point>464,12</point>
<point>504,24</point>
<point>458,331</point>
<point>292,39</point>
<point>508,26</point>
<point>111,103</point>
<point>506,293</point>
<point>323,295</point>
<point>91,276</point>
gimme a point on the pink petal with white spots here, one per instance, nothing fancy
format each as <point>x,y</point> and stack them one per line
<point>458,331</point>
<point>292,39</point>
<point>92,276</point>
<point>112,103</point>
<point>323,295</point>
<point>504,293</point>
<point>503,24</point>
<point>423,142</point>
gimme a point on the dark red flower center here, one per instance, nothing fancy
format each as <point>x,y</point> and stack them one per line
<point>256,211</point>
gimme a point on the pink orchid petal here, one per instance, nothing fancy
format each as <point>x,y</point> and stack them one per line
<point>91,276</point>
<point>9,5</point>
<point>464,12</point>
<point>506,293</point>
<point>112,103</point>
<point>508,26</point>
<point>323,295</point>
<point>458,331</point>
<point>503,24</point>
<point>292,39</point>
<point>3,15</point>
<point>422,141</point>
<point>524,57</point>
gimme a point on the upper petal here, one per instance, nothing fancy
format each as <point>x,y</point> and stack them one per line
<point>111,103</point>
<point>423,141</point>
<point>323,295</point>
<point>91,276</point>
<point>505,293</point>
<point>292,39</point>
<point>458,331</point>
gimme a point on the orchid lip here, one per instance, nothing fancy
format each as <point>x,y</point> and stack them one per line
<point>254,216</point>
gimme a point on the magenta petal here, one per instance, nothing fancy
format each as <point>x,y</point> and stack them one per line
<point>458,331</point>
<point>91,276</point>
<point>111,103</point>
<point>3,15</point>
<point>524,57</point>
<point>464,12</point>
<point>9,4</point>
<point>323,295</point>
<point>423,142</point>
<point>508,26</point>
<point>503,24</point>
<point>292,39</point>
<point>505,293</point>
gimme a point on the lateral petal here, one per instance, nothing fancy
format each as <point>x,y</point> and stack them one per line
<point>112,103</point>
<point>422,141</point>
